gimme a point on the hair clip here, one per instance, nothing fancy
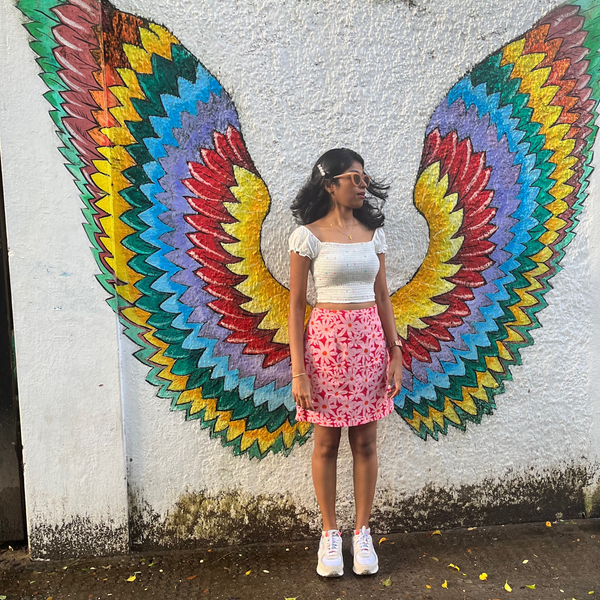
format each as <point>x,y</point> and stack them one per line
<point>322,171</point>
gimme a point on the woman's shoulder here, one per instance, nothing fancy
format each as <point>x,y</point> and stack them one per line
<point>304,242</point>
<point>379,241</point>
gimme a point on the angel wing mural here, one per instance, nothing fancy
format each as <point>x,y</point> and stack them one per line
<point>174,207</point>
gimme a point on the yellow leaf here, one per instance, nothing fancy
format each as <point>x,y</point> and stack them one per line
<point>591,592</point>
<point>445,584</point>
<point>531,587</point>
<point>388,581</point>
<point>437,532</point>
<point>507,587</point>
<point>525,561</point>
<point>483,576</point>
<point>548,524</point>
<point>248,572</point>
<point>296,598</point>
<point>382,540</point>
<point>453,567</point>
<point>428,586</point>
<point>132,578</point>
<point>436,559</point>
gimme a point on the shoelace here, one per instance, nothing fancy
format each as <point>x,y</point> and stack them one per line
<point>331,543</point>
<point>363,540</point>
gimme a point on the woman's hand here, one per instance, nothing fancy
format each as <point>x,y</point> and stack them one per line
<point>394,380</point>
<point>302,392</point>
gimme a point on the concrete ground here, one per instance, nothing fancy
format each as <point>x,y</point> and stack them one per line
<point>532,561</point>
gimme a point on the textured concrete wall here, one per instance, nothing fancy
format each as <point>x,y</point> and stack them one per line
<point>66,339</point>
<point>303,78</point>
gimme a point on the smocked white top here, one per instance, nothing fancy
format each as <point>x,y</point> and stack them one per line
<point>345,272</point>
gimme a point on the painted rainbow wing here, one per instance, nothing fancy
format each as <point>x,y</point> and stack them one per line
<point>174,207</point>
<point>501,183</point>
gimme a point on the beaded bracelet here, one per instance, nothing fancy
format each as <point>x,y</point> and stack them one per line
<point>298,375</point>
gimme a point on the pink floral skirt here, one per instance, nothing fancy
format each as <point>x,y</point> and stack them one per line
<point>346,360</point>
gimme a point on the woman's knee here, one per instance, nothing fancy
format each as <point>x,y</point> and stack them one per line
<point>363,440</point>
<point>327,444</point>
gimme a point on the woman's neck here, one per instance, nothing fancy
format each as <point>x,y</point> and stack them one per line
<point>341,214</point>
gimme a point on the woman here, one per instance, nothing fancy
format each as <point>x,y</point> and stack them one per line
<point>344,373</point>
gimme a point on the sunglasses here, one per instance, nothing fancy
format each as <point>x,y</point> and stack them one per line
<point>356,178</point>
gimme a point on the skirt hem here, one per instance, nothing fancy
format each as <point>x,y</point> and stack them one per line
<point>315,420</point>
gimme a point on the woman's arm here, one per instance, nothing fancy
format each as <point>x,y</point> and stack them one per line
<point>299,266</point>
<point>386,314</point>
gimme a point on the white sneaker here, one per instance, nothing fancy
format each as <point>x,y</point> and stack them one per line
<point>365,559</point>
<point>331,562</point>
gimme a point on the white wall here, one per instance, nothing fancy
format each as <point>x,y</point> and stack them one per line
<point>304,77</point>
<point>65,334</point>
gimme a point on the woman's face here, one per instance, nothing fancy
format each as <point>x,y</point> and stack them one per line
<point>345,192</point>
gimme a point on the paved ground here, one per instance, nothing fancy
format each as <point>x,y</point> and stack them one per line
<point>535,561</point>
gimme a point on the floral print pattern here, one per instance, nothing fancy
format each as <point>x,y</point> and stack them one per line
<point>346,360</point>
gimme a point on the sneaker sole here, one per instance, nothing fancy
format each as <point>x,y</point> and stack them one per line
<point>334,572</point>
<point>366,570</point>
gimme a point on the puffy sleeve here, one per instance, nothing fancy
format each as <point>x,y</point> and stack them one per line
<point>303,242</point>
<point>379,241</point>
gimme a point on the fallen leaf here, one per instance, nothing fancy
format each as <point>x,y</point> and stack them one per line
<point>265,571</point>
<point>507,587</point>
<point>428,586</point>
<point>132,578</point>
<point>591,592</point>
<point>471,528</point>
<point>153,563</point>
<point>2,597</point>
<point>548,524</point>
<point>436,559</point>
<point>388,581</point>
<point>483,576</point>
<point>525,561</point>
<point>531,587</point>
<point>454,567</point>
<point>248,572</point>
<point>296,598</point>
<point>382,540</point>
<point>445,584</point>
<point>192,577</point>
<point>437,532</point>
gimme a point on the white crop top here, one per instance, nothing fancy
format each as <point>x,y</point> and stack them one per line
<point>345,272</point>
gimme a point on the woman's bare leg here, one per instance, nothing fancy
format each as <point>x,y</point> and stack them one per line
<point>324,471</point>
<point>363,442</point>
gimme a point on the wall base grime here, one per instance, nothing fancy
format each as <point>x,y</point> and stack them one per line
<point>200,519</point>
<point>517,498</point>
<point>77,538</point>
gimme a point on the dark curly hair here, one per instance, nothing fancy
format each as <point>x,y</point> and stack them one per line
<point>313,201</point>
